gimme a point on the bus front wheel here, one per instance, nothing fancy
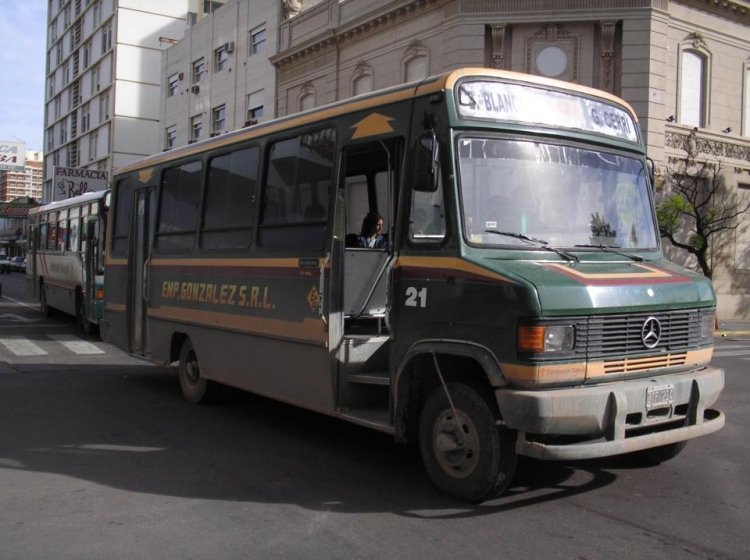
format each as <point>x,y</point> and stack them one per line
<point>466,454</point>
<point>195,389</point>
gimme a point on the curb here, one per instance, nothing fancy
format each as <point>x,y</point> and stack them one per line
<point>731,333</point>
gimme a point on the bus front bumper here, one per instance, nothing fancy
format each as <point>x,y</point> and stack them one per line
<point>586,422</point>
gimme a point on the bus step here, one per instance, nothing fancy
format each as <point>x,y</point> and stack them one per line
<point>377,418</point>
<point>374,378</point>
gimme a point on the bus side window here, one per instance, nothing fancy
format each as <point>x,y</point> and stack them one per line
<point>178,207</point>
<point>296,194</point>
<point>123,204</point>
<point>229,205</point>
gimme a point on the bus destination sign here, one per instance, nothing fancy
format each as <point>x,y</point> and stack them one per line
<point>530,104</point>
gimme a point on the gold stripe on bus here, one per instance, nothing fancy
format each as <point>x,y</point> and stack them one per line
<point>449,263</point>
<point>450,82</point>
<point>111,261</point>
<point>652,272</point>
<point>690,358</point>
<point>544,373</point>
<point>309,330</point>
<point>283,262</point>
<point>531,375</point>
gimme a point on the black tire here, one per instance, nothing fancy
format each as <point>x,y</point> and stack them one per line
<point>481,466</point>
<point>658,455</point>
<point>81,320</point>
<point>195,388</point>
<point>43,306</point>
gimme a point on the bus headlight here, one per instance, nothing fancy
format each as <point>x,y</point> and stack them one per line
<point>708,324</point>
<point>537,339</point>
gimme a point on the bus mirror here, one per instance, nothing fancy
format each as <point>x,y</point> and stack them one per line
<point>427,163</point>
<point>107,199</point>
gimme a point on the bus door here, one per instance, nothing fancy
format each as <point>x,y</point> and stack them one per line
<point>89,250</point>
<point>145,208</point>
<point>370,173</point>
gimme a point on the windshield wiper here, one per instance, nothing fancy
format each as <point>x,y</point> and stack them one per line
<point>541,243</point>
<point>612,249</point>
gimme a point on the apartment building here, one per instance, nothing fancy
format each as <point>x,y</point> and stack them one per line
<point>26,183</point>
<point>103,80</point>
<point>218,77</point>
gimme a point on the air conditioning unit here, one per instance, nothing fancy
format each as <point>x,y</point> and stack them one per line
<point>251,122</point>
<point>215,134</point>
<point>229,47</point>
<point>195,89</point>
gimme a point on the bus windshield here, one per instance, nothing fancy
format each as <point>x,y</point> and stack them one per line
<point>523,193</point>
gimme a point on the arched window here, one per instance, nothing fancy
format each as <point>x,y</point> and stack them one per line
<point>416,68</point>
<point>415,63</point>
<point>693,90</point>
<point>306,99</point>
<point>361,81</point>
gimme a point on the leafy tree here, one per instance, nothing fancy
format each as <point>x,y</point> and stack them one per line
<point>698,207</point>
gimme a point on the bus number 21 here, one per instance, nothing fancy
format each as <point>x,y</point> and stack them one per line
<point>416,298</point>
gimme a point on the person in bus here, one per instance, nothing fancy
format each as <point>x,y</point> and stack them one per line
<point>370,236</point>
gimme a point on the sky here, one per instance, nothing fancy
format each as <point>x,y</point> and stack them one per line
<point>23,45</point>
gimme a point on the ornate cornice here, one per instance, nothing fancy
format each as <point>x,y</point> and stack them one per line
<point>348,32</point>
<point>707,146</point>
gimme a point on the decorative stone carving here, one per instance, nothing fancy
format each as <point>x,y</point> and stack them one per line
<point>291,8</point>
<point>692,144</point>
<point>607,52</point>
<point>498,46</point>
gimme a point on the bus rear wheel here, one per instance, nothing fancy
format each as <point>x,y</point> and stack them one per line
<point>466,454</point>
<point>195,388</point>
<point>43,305</point>
<point>83,323</point>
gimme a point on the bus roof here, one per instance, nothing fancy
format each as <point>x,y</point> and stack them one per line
<point>433,84</point>
<point>73,201</point>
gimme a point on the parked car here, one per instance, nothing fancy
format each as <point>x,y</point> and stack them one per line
<point>5,266</point>
<point>18,264</point>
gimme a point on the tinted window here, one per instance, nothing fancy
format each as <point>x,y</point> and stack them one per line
<point>297,191</point>
<point>178,208</point>
<point>122,213</point>
<point>228,208</point>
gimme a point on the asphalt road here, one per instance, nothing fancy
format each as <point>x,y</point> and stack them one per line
<point>101,458</point>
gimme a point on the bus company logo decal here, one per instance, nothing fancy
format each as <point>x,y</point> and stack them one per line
<point>639,273</point>
<point>256,297</point>
<point>651,332</point>
<point>313,298</point>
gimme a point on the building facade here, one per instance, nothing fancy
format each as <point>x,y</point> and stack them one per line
<point>26,183</point>
<point>104,82</point>
<point>19,191</point>
<point>218,77</point>
<point>684,66</point>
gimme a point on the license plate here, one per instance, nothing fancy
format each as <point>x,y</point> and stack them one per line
<point>659,396</point>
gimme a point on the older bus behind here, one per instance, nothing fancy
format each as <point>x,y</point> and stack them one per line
<point>518,301</point>
<point>65,268</point>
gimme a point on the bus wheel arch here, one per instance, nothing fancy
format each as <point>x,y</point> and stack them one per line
<point>416,377</point>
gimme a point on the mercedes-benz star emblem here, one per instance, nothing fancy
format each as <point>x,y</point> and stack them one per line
<point>651,332</point>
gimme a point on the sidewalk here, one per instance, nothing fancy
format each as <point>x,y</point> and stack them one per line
<point>734,329</point>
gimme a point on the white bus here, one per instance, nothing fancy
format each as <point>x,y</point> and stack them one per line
<point>65,268</point>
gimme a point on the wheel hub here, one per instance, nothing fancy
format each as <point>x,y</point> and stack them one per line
<point>456,444</point>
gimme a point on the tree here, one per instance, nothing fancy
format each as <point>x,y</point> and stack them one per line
<point>698,207</point>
